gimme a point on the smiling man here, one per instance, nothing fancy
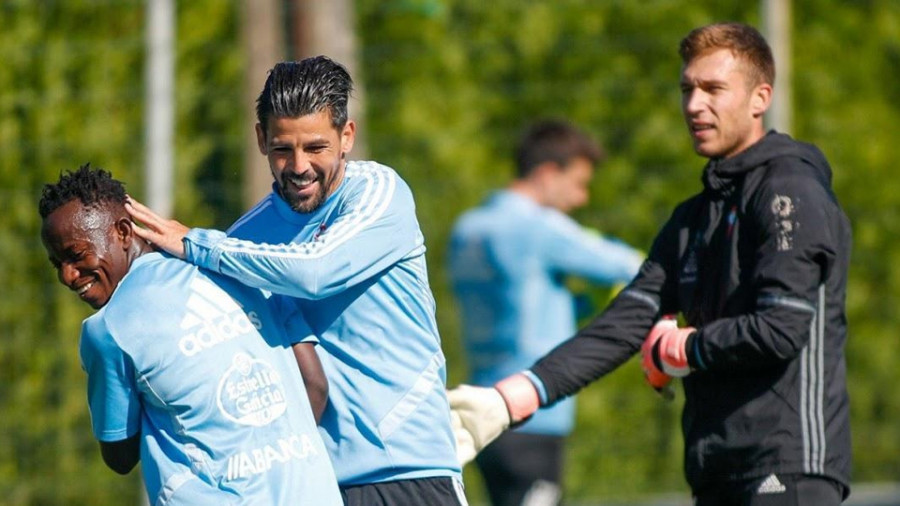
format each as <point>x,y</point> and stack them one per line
<point>189,372</point>
<point>756,265</point>
<point>341,239</point>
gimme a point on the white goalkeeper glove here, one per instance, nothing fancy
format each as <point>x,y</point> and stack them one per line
<point>480,414</point>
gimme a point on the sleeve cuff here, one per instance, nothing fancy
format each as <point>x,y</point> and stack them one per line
<point>200,247</point>
<point>538,385</point>
<point>695,360</point>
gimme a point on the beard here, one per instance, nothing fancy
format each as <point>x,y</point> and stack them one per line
<point>303,205</point>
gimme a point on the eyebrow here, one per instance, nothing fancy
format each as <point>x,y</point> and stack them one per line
<point>701,82</point>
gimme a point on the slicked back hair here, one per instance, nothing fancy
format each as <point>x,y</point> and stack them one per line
<point>88,185</point>
<point>553,141</point>
<point>744,41</point>
<point>297,88</point>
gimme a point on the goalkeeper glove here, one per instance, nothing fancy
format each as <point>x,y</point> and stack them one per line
<point>480,414</point>
<point>664,352</point>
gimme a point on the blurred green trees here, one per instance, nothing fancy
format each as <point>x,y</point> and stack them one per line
<point>449,84</point>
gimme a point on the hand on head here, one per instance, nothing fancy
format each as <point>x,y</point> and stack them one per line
<point>165,234</point>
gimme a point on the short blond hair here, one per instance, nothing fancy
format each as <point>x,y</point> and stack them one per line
<point>744,41</point>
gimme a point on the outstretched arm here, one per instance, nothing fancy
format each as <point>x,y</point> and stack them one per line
<point>372,228</point>
<point>165,234</point>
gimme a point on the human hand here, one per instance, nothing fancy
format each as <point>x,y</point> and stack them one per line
<point>167,235</point>
<point>663,354</point>
<point>480,414</point>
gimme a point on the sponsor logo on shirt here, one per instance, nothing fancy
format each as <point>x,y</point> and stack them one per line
<point>251,392</point>
<point>213,317</point>
<point>260,460</point>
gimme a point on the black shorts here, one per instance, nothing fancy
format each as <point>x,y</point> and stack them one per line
<point>522,469</point>
<point>437,491</point>
<point>774,490</point>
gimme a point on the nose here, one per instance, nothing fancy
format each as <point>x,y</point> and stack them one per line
<point>300,162</point>
<point>67,274</point>
<point>692,102</point>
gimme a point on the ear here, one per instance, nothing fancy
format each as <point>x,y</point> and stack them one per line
<point>348,136</point>
<point>261,140</point>
<point>760,99</point>
<point>124,232</point>
<point>546,170</point>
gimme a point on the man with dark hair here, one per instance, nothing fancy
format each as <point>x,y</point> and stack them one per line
<point>342,239</point>
<point>509,262</point>
<point>189,372</point>
<point>756,264</point>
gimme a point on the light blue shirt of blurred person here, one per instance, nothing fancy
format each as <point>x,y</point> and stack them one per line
<point>509,260</point>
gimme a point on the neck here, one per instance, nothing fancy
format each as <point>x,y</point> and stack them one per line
<point>526,189</point>
<point>138,248</point>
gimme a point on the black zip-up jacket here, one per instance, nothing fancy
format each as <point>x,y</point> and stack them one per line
<point>757,263</point>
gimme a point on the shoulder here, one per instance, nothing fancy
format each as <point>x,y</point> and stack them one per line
<point>477,217</point>
<point>687,207</point>
<point>150,285</point>
<point>792,178</point>
<point>362,173</point>
<point>794,164</point>
<point>557,220</point>
<point>362,170</point>
<point>97,337</point>
<point>370,183</point>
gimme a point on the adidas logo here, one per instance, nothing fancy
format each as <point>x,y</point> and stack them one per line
<point>212,317</point>
<point>770,485</point>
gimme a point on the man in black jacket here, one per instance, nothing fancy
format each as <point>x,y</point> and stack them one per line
<point>756,265</point>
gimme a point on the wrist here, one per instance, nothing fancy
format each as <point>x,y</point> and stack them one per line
<point>694,355</point>
<point>520,395</point>
<point>200,247</point>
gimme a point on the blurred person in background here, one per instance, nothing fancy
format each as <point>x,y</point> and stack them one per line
<point>756,265</point>
<point>341,238</point>
<point>509,261</point>
<point>189,372</point>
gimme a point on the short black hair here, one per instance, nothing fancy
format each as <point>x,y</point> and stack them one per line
<point>553,140</point>
<point>89,185</point>
<point>297,88</point>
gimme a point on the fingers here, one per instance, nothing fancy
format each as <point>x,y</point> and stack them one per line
<point>145,234</point>
<point>165,234</point>
<point>456,395</point>
<point>465,443</point>
<point>143,214</point>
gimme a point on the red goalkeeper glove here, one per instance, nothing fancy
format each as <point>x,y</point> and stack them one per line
<point>664,352</point>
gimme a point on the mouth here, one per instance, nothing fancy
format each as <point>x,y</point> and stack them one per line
<point>83,289</point>
<point>302,182</point>
<point>699,129</point>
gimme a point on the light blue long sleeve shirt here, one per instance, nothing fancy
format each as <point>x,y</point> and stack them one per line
<point>356,268</point>
<point>202,369</point>
<point>508,261</point>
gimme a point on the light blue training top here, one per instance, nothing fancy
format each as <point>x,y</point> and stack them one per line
<point>356,266</point>
<point>509,259</point>
<point>199,365</point>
